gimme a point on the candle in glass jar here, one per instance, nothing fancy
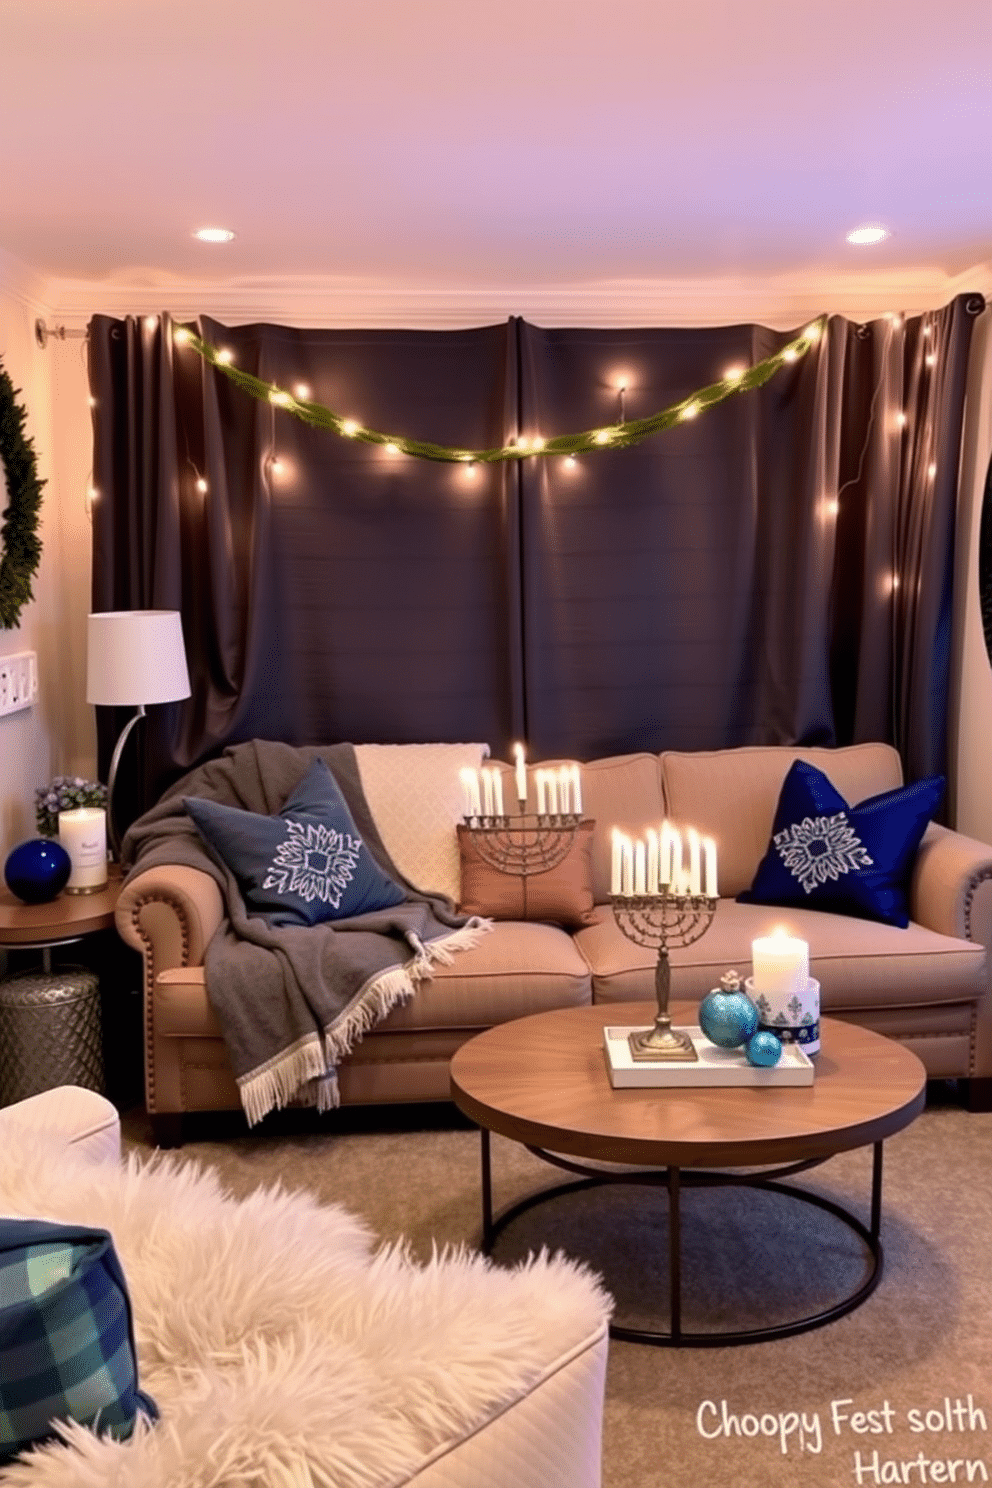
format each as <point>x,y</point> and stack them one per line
<point>83,834</point>
<point>781,965</point>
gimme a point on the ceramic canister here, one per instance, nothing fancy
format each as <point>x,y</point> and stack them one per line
<point>794,1016</point>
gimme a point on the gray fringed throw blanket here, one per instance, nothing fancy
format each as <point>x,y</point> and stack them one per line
<point>293,1000</point>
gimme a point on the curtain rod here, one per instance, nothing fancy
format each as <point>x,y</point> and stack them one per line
<point>42,333</point>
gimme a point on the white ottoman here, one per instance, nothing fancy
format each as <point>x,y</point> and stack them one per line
<point>81,1118</point>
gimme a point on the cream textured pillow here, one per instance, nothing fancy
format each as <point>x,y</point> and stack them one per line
<point>415,795</point>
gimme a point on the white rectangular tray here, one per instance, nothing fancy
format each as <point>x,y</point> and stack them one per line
<point>714,1067</point>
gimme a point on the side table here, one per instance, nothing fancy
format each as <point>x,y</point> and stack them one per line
<point>50,1022</point>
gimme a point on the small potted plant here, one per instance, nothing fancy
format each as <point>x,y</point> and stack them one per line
<point>65,793</point>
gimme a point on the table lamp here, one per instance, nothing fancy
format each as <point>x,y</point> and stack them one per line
<point>133,658</point>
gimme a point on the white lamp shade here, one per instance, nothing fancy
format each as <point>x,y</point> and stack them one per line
<point>135,657</point>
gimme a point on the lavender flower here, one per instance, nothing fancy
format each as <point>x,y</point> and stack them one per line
<point>65,793</point>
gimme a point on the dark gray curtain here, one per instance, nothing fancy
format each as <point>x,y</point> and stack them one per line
<point>776,570</point>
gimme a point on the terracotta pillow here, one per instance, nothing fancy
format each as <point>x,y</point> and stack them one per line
<point>562,895</point>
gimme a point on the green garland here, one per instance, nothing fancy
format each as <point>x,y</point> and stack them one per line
<point>611,436</point>
<point>19,533</point>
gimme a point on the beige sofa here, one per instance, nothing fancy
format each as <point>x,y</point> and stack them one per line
<point>927,986</point>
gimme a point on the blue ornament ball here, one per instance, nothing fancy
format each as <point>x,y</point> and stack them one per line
<point>727,1016</point>
<point>37,870</point>
<point>764,1049</point>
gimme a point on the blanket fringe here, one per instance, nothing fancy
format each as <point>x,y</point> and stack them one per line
<point>398,985</point>
<point>283,1081</point>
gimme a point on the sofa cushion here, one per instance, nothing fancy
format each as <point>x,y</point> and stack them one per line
<point>518,968</point>
<point>622,791</point>
<point>826,854</point>
<point>731,794</point>
<point>309,863</point>
<point>561,895</point>
<point>860,964</point>
<point>66,1335</point>
<point>415,796</point>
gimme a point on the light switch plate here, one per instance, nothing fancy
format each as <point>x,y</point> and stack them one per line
<point>18,681</point>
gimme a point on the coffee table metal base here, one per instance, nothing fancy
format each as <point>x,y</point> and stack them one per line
<point>674,1180</point>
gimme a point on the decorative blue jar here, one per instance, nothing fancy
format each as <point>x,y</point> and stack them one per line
<point>37,870</point>
<point>727,1015</point>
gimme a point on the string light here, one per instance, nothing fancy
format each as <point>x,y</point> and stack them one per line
<point>621,434</point>
<point>301,391</point>
<point>151,322</point>
<point>901,419</point>
<point>392,449</point>
<point>201,485</point>
<point>225,356</point>
<point>931,470</point>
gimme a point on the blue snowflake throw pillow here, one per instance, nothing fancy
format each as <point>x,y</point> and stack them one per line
<point>856,860</point>
<point>305,865</point>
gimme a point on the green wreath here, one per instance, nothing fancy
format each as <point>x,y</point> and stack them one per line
<point>19,534</point>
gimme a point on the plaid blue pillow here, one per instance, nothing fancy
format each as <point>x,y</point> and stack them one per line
<point>66,1335</point>
<point>305,865</point>
<point>855,860</point>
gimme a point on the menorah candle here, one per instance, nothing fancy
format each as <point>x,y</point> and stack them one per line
<point>487,792</point>
<point>83,834</point>
<point>616,865</point>
<point>470,790</point>
<point>498,791</point>
<point>565,789</point>
<point>694,861</point>
<point>709,861</point>
<point>576,791</point>
<point>652,836</point>
<point>640,875</point>
<point>521,773</point>
<point>627,875</point>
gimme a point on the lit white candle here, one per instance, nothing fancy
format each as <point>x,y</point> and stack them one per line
<point>576,790</point>
<point>565,789</point>
<point>709,862</point>
<point>487,792</point>
<point>780,964</point>
<point>539,783</point>
<point>476,797</point>
<point>521,773</point>
<point>498,791</point>
<point>652,861</point>
<point>640,877</point>
<point>83,834</point>
<point>615,866</point>
<point>695,886</point>
<point>465,776</point>
<point>676,845</point>
<point>552,788</point>
<point>627,875</point>
<point>665,854</point>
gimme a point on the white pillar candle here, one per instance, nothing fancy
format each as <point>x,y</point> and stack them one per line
<point>540,788</point>
<point>640,876</point>
<point>780,964</point>
<point>552,788</point>
<point>627,875</point>
<point>521,773</point>
<point>576,791</point>
<point>652,861</point>
<point>487,792</point>
<point>565,789</point>
<point>615,866</point>
<point>476,797</point>
<point>709,860</point>
<point>83,834</point>
<point>695,884</point>
<point>498,791</point>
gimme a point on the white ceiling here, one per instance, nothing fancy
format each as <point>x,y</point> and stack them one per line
<point>468,145</point>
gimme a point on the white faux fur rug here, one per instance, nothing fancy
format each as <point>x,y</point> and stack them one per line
<point>280,1344</point>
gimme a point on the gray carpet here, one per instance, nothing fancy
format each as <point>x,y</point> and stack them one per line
<point>889,1394</point>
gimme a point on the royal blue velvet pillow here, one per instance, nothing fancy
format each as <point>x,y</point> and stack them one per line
<point>305,865</point>
<point>855,860</point>
<point>66,1335</point>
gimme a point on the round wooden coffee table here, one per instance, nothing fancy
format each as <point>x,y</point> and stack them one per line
<point>543,1081</point>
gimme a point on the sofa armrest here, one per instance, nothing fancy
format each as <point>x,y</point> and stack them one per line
<point>951,887</point>
<point>169,914</point>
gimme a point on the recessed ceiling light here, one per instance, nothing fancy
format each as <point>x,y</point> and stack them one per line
<point>862,235</point>
<point>214,234</point>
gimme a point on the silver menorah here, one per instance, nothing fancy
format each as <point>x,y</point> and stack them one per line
<point>524,845</point>
<point>663,921</point>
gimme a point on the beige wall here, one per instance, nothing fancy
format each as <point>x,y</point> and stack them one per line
<point>58,735</point>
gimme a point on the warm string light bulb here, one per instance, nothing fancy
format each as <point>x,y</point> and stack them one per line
<point>689,411</point>
<point>225,356</point>
<point>350,428</point>
<point>181,336</point>
<point>201,485</point>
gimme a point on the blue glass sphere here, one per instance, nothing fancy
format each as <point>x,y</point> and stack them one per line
<point>764,1049</point>
<point>727,1018</point>
<point>37,870</point>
